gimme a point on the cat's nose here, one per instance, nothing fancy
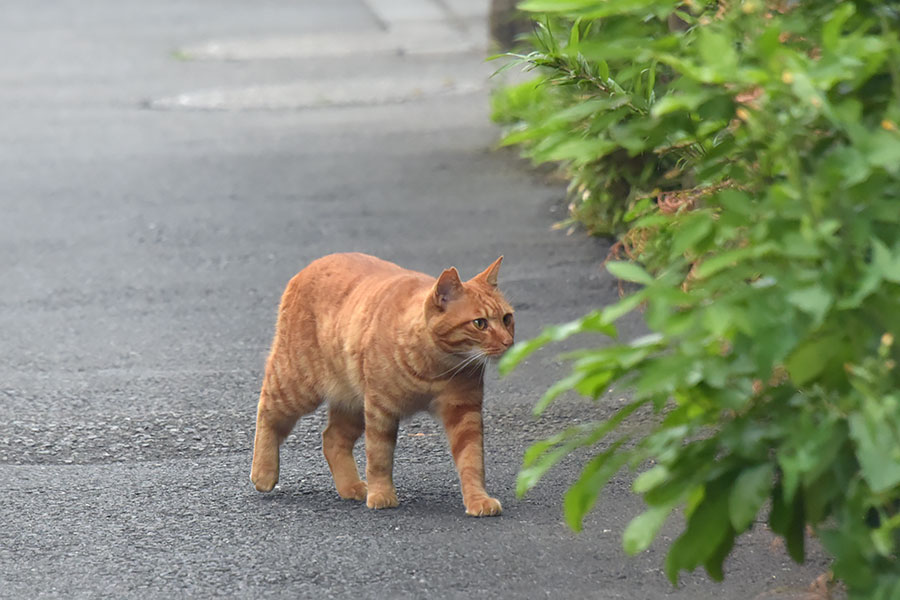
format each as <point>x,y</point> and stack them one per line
<point>507,341</point>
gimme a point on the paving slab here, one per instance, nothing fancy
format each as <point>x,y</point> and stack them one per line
<point>314,94</point>
<point>405,38</point>
<point>391,12</point>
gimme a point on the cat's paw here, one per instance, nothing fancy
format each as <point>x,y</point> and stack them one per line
<point>484,507</point>
<point>356,491</point>
<point>382,499</point>
<point>264,481</point>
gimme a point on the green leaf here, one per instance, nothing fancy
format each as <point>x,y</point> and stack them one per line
<point>586,109</point>
<point>544,454</point>
<point>643,529</point>
<point>591,322</point>
<point>796,245</point>
<point>692,230</point>
<point>868,283</point>
<point>563,385</point>
<point>795,538</point>
<point>811,358</point>
<point>876,432</point>
<point>751,488</point>
<point>717,50</point>
<point>520,352</point>
<point>582,496</point>
<point>713,564</point>
<point>688,471</point>
<point>650,478</point>
<point>546,6</point>
<point>624,306</point>
<point>887,264</point>
<point>529,476</point>
<point>603,70</point>
<point>706,528</point>
<point>786,519</point>
<point>579,151</point>
<point>831,30</point>
<point>882,149</point>
<point>664,374</point>
<point>731,258</point>
<point>809,449</point>
<point>814,300</point>
<point>737,202</point>
<point>629,272</point>
<point>595,384</point>
<point>575,33</point>
<point>679,102</point>
<point>594,10</point>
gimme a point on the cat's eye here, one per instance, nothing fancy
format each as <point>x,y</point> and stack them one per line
<point>480,323</point>
<point>507,319</point>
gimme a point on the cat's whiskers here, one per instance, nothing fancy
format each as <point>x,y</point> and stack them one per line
<point>484,363</point>
<point>472,357</point>
<point>479,360</point>
<point>456,368</point>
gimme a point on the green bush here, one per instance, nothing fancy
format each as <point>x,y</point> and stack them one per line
<point>748,155</point>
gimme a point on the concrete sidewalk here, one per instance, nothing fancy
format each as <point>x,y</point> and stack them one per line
<point>166,167</point>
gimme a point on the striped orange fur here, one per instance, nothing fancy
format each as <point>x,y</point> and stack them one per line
<point>378,343</point>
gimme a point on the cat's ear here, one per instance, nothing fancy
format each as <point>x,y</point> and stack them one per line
<point>447,288</point>
<point>489,275</point>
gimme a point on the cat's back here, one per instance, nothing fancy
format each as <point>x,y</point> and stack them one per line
<point>336,279</point>
<point>350,263</point>
<point>335,305</point>
<point>345,271</point>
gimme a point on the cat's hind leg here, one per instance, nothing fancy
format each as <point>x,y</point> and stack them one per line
<point>344,428</point>
<point>282,401</point>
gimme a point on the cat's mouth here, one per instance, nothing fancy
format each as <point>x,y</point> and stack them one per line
<point>496,351</point>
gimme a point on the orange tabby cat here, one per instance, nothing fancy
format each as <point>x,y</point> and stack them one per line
<point>379,343</point>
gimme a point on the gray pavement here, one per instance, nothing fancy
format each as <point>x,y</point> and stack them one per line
<point>165,168</point>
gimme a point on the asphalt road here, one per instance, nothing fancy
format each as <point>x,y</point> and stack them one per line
<point>146,233</point>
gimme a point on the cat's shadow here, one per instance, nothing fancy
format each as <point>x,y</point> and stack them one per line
<point>429,509</point>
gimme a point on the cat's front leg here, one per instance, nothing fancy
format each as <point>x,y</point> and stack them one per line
<point>461,415</point>
<point>381,439</point>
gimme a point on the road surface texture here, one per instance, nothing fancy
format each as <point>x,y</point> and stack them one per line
<point>166,167</point>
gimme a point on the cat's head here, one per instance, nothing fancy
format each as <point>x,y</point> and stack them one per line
<point>470,318</point>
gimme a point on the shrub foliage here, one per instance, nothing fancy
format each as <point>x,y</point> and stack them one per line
<point>747,154</point>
